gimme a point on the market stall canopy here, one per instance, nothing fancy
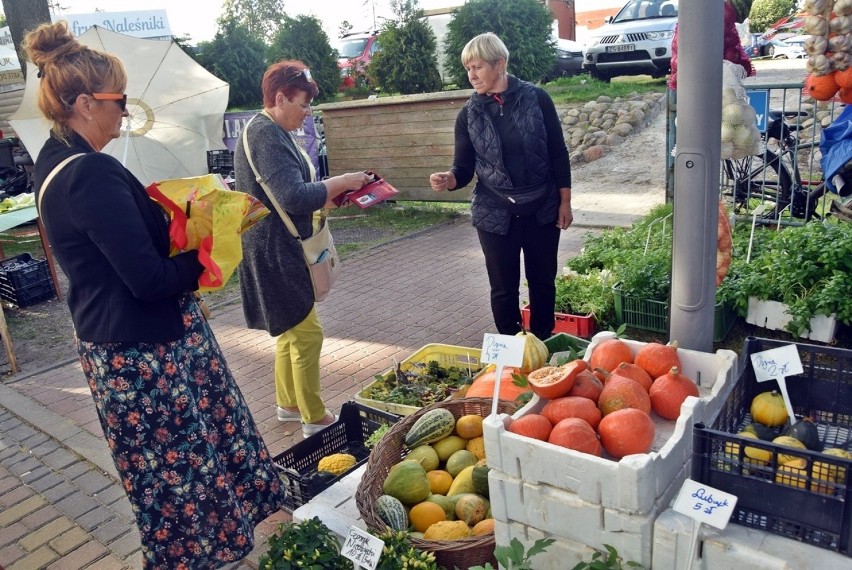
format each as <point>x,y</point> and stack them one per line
<point>176,108</point>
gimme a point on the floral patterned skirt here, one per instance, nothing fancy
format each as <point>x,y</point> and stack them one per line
<point>190,457</point>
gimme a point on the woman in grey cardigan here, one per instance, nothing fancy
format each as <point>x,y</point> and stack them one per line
<point>276,287</point>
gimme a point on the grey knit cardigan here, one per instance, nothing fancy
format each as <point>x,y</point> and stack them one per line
<point>274,281</point>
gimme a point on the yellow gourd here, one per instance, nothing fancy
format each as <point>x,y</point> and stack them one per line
<point>768,408</point>
<point>535,352</point>
<point>447,530</point>
<point>337,463</point>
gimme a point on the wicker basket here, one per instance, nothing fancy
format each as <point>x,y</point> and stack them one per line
<point>390,450</point>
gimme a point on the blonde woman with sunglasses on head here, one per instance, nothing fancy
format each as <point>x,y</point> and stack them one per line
<point>276,287</point>
<point>184,443</point>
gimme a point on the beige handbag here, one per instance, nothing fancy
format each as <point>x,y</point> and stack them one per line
<point>319,251</point>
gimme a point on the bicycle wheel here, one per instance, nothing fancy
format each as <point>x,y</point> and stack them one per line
<point>755,180</point>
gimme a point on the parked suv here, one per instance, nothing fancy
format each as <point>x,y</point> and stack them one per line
<point>354,54</point>
<point>636,41</point>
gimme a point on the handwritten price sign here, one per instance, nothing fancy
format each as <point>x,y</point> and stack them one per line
<point>705,504</point>
<point>362,548</point>
<point>502,350</point>
<point>776,364</point>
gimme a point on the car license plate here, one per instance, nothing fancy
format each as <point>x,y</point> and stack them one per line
<point>620,48</point>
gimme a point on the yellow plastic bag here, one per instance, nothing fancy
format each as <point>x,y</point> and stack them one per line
<point>208,216</point>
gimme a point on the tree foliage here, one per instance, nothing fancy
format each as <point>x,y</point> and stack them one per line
<point>303,38</point>
<point>531,50</point>
<point>764,13</point>
<point>260,17</point>
<point>235,55</point>
<point>407,62</point>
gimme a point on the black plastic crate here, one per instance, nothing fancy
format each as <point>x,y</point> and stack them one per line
<point>220,161</point>
<point>25,281</point>
<point>299,463</point>
<point>804,504</point>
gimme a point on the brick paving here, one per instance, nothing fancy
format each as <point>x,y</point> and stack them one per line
<point>60,503</point>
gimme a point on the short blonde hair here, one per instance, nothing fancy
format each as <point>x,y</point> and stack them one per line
<point>488,47</point>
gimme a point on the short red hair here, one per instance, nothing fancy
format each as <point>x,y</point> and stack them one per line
<point>287,77</point>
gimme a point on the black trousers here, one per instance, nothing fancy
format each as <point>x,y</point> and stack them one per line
<point>539,244</point>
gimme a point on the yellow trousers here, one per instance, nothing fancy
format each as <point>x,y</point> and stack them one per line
<point>297,369</point>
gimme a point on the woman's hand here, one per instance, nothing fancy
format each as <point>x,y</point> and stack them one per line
<point>566,216</point>
<point>441,181</point>
<point>343,183</point>
<point>357,180</point>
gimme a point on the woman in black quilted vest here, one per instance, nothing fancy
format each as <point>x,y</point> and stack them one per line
<point>510,136</point>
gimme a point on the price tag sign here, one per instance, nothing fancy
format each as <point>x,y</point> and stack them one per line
<point>705,504</point>
<point>362,548</point>
<point>776,363</point>
<point>502,349</point>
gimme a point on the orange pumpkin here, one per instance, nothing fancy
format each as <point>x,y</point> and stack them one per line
<point>845,94</point>
<point>633,372</point>
<point>587,385</point>
<point>626,432</point>
<point>572,407</point>
<point>657,359</point>
<point>483,387</point>
<point>535,426</point>
<point>555,381</point>
<point>620,393</point>
<point>609,354</point>
<point>821,87</point>
<point>669,391</point>
<point>844,78</point>
<point>575,434</point>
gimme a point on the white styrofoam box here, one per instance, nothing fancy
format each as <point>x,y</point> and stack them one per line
<point>563,553</point>
<point>565,515</point>
<point>634,483</point>
<point>336,506</point>
<point>734,548</point>
<point>773,315</point>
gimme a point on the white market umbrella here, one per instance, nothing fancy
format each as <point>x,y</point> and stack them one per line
<point>176,108</point>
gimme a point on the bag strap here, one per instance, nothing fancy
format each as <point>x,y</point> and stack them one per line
<point>51,176</point>
<point>281,212</point>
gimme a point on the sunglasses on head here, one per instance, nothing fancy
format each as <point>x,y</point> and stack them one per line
<point>119,98</point>
<point>306,73</point>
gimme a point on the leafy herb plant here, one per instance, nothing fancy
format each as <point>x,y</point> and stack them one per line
<point>607,561</point>
<point>587,293</point>
<point>807,268</point>
<point>306,545</point>
<point>515,556</point>
<point>423,384</point>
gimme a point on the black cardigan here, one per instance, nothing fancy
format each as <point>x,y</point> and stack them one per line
<point>111,241</point>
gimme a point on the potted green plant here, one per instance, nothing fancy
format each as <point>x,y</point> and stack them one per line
<point>584,302</point>
<point>636,262</point>
<point>796,278</point>
<point>310,544</point>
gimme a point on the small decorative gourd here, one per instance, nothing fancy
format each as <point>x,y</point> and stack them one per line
<point>337,463</point>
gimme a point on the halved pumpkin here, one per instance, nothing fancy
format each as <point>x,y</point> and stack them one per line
<point>555,381</point>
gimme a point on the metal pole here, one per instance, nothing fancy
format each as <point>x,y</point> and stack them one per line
<point>696,195</point>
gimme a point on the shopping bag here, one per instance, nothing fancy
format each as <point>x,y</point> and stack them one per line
<point>208,216</point>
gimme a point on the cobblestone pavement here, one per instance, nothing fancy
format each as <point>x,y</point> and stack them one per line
<point>60,503</point>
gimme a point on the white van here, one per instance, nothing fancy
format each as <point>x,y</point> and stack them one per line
<point>636,41</point>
